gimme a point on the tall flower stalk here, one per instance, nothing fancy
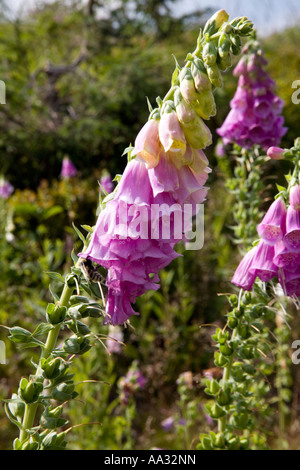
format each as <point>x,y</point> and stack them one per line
<point>253,124</point>
<point>166,167</point>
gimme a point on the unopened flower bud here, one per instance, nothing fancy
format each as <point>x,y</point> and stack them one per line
<point>198,134</point>
<point>187,86</point>
<point>51,367</point>
<point>215,22</point>
<point>276,153</point>
<point>171,134</point>
<point>215,76</point>
<point>55,314</point>
<point>147,144</point>
<point>30,391</point>
<point>199,74</point>
<point>206,105</point>
<point>210,53</point>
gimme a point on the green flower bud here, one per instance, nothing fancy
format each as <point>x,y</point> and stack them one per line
<point>206,442</point>
<point>51,419</point>
<point>215,22</point>
<point>244,331</point>
<point>55,314</point>
<point>187,86</point>
<point>216,411</point>
<point>220,360</point>
<point>20,335</point>
<point>236,45</point>
<point>226,350</point>
<point>29,446</point>
<point>76,345</point>
<point>197,133</point>
<point>233,323</point>
<point>233,443</point>
<point>224,398</point>
<point>54,441</point>
<point>224,45</point>
<point>219,441</point>
<point>215,76</point>
<point>64,392</point>
<point>225,62</point>
<point>199,74</point>
<point>212,387</point>
<point>210,53</point>
<point>51,367</point>
<point>30,391</point>
<point>206,105</point>
<point>16,407</point>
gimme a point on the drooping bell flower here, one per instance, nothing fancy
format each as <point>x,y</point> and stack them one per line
<point>243,276</point>
<point>272,227</point>
<point>255,117</point>
<point>68,169</point>
<point>262,264</point>
<point>6,189</point>
<point>290,282</point>
<point>295,197</point>
<point>285,258</point>
<point>292,236</point>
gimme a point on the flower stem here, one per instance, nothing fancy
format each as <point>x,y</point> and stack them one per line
<point>30,409</point>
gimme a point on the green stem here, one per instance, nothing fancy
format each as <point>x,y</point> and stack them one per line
<point>30,409</point>
<point>226,377</point>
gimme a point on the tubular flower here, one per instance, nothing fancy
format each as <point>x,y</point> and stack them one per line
<point>254,118</point>
<point>68,170</point>
<point>152,207</point>
<point>277,255</point>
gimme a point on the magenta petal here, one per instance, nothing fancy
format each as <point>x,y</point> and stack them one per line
<point>292,237</point>
<point>243,278</point>
<point>262,264</point>
<point>272,227</point>
<point>285,258</point>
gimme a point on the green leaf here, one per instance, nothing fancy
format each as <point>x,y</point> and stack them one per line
<point>52,211</point>
<point>55,276</point>
<point>42,329</point>
<point>80,235</point>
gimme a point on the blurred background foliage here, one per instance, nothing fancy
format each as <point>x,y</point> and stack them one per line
<point>77,75</point>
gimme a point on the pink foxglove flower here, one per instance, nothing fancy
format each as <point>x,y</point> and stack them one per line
<point>68,170</point>
<point>243,277</point>
<point>276,153</point>
<point>272,228</point>
<point>6,189</point>
<point>292,236</point>
<point>255,117</point>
